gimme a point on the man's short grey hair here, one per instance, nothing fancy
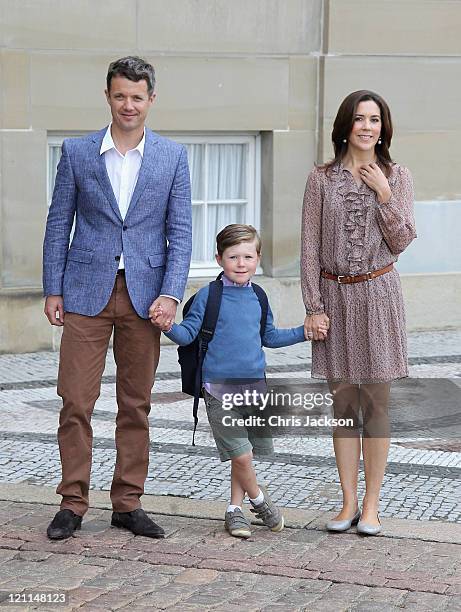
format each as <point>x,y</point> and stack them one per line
<point>132,68</point>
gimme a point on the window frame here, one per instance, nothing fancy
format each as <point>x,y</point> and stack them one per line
<point>253,215</point>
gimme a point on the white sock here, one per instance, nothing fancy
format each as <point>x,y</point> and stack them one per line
<point>232,507</point>
<point>258,500</point>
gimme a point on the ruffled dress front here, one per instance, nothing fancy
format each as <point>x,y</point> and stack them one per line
<point>346,231</point>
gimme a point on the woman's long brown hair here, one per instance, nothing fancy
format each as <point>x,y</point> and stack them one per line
<point>344,122</point>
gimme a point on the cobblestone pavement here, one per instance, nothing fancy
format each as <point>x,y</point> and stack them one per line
<point>199,567</point>
<point>422,479</point>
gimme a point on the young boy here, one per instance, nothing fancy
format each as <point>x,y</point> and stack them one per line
<point>235,362</point>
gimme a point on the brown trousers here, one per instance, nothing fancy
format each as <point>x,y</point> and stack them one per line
<point>84,344</point>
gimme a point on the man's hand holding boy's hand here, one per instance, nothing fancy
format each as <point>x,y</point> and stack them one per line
<point>162,313</point>
<point>157,314</point>
<point>316,326</point>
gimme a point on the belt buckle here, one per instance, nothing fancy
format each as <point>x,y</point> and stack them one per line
<point>340,276</point>
<point>369,276</point>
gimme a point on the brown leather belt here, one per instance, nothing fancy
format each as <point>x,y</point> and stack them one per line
<point>360,278</point>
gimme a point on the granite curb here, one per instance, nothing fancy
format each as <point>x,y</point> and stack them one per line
<point>169,505</point>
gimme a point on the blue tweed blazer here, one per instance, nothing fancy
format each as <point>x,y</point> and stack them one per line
<point>155,237</point>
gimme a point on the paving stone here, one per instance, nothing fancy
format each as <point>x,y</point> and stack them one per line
<point>169,596</point>
<point>128,594</point>
<point>109,552</point>
<point>168,570</point>
<point>32,556</point>
<point>425,601</point>
<point>297,598</point>
<point>255,600</point>
<point>385,594</point>
<point>196,576</point>
<point>372,606</point>
<point>6,543</point>
<point>160,546</point>
<point>6,555</point>
<point>166,559</point>
<point>83,595</point>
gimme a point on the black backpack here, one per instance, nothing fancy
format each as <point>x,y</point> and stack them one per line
<point>191,357</point>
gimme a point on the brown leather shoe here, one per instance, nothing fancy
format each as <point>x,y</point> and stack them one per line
<point>138,523</point>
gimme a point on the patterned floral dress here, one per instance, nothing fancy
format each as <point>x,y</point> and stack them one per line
<point>346,231</point>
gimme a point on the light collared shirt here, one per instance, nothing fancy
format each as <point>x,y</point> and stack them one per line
<point>123,172</point>
<point>228,283</point>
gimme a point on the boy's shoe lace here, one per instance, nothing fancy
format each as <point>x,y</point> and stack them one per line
<point>268,512</point>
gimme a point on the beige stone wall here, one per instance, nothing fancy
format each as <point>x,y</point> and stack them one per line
<point>278,68</point>
<point>424,95</point>
<point>410,52</point>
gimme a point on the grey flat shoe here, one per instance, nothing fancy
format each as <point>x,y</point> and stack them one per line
<point>345,524</point>
<point>366,529</point>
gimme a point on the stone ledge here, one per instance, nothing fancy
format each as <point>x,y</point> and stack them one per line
<point>431,531</point>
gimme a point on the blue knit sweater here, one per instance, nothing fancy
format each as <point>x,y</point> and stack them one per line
<point>235,351</point>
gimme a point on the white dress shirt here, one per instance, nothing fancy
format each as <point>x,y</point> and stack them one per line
<point>123,171</point>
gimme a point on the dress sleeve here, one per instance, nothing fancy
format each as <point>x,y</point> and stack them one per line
<point>396,218</point>
<point>311,237</point>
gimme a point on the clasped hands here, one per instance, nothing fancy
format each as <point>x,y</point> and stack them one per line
<point>162,313</point>
<point>316,327</point>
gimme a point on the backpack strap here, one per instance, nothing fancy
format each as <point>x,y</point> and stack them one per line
<point>205,336</point>
<point>213,304</point>
<point>264,303</point>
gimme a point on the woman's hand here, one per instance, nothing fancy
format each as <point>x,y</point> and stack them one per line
<point>374,177</point>
<point>316,326</point>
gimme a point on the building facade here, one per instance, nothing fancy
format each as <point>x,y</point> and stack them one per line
<point>252,89</point>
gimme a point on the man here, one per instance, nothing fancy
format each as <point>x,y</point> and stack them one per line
<point>128,191</point>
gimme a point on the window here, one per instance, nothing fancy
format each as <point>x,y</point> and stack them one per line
<point>225,179</point>
<point>225,189</point>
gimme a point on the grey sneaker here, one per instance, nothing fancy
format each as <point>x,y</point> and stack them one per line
<point>268,512</point>
<point>236,524</point>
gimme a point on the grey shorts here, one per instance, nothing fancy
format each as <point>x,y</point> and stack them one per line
<point>236,439</point>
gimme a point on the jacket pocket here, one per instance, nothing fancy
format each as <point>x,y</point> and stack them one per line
<point>80,255</point>
<point>157,260</point>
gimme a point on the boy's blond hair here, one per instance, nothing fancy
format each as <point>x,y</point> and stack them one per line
<point>236,233</point>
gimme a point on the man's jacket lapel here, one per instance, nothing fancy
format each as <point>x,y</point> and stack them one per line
<point>146,170</point>
<point>101,173</point>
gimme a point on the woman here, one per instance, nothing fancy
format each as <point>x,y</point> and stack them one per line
<point>357,218</point>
